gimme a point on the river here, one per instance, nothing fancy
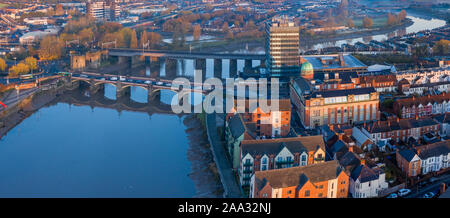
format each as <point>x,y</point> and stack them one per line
<point>66,150</point>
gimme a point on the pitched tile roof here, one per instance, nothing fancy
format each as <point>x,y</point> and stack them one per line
<point>365,174</point>
<point>402,124</point>
<point>274,146</point>
<point>433,150</point>
<point>297,176</point>
<point>424,100</point>
<point>407,154</point>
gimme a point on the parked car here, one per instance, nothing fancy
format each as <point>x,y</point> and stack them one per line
<point>84,76</point>
<point>113,78</point>
<point>393,195</point>
<point>122,78</point>
<point>102,79</point>
<point>428,195</point>
<point>148,82</point>
<point>159,83</point>
<point>403,192</point>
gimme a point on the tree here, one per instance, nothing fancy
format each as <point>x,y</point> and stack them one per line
<point>59,10</point>
<point>402,15</point>
<point>144,38</point>
<point>197,32</point>
<point>31,62</point>
<point>3,65</point>
<point>392,19</point>
<point>350,23</point>
<point>367,22</point>
<point>442,47</point>
<point>133,40</point>
<point>18,69</point>
<point>225,27</point>
<point>51,48</point>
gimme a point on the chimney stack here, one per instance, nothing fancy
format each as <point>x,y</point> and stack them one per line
<point>363,161</point>
<point>442,190</point>
<point>350,148</point>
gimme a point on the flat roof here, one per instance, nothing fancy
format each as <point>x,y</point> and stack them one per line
<point>350,61</point>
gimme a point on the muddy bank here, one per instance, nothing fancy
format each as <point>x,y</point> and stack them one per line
<point>204,172</point>
<point>15,115</point>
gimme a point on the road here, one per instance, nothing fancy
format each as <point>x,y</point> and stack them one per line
<point>14,97</point>
<point>230,185</point>
<point>429,188</point>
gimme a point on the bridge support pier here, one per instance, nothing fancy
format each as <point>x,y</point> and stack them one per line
<point>136,61</point>
<point>171,68</point>
<point>95,88</point>
<point>248,65</point>
<point>123,60</point>
<point>122,92</point>
<point>200,64</point>
<point>218,68</point>
<point>233,68</point>
<point>72,84</point>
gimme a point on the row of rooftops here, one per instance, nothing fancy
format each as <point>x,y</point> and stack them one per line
<point>423,100</point>
<point>426,151</point>
<point>298,176</point>
<point>274,146</point>
<point>399,124</point>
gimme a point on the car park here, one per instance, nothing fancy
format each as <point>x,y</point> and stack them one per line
<point>403,192</point>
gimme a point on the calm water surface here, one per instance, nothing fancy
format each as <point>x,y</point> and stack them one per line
<point>77,151</point>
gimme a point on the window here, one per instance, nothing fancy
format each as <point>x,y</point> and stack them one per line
<point>307,193</point>
<point>321,187</point>
<point>289,192</point>
<point>320,195</point>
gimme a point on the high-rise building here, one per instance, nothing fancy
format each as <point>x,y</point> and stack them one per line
<point>282,47</point>
<point>104,10</point>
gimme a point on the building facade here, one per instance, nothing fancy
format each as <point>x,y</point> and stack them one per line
<point>268,154</point>
<point>323,180</point>
<point>398,130</point>
<point>282,47</point>
<point>335,106</point>
<point>422,106</point>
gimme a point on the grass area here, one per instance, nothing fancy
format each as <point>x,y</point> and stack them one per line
<point>199,45</point>
<point>3,5</point>
<point>377,22</point>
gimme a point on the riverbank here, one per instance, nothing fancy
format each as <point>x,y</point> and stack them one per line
<point>359,34</point>
<point>13,116</point>
<point>204,171</point>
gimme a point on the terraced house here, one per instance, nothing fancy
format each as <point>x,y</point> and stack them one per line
<point>424,159</point>
<point>422,106</point>
<point>268,154</point>
<point>322,180</point>
<point>398,130</point>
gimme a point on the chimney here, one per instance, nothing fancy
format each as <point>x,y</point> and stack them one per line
<point>350,148</point>
<point>418,151</point>
<point>417,117</point>
<point>363,161</point>
<point>398,120</point>
<point>413,97</point>
<point>389,123</point>
<point>442,189</point>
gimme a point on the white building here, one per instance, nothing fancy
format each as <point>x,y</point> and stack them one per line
<point>434,157</point>
<point>366,182</point>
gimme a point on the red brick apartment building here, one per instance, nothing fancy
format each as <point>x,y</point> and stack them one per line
<point>381,83</point>
<point>268,124</point>
<point>422,106</point>
<point>323,180</point>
